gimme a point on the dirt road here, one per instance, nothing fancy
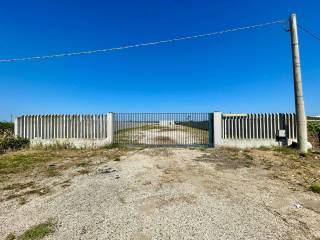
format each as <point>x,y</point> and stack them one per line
<point>153,134</point>
<point>172,194</point>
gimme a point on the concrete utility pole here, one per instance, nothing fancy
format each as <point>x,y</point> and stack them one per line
<point>299,102</point>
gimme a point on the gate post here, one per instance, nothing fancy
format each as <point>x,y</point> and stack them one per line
<point>210,130</point>
<point>16,127</point>
<point>110,128</point>
<point>217,128</point>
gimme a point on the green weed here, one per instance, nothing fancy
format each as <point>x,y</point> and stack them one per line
<point>38,232</point>
<point>315,187</point>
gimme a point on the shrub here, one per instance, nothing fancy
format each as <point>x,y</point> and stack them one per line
<point>314,133</point>
<point>10,142</point>
<point>7,139</point>
<point>6,127</point>
<point>315,187</point>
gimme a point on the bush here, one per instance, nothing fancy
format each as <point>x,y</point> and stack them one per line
<point>6,127</point>
<point>7,139</point>
<point>315,187</point>
<point>314,133</point>
<point>10,142</point>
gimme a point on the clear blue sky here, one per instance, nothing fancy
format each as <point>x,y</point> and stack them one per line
<point>247,71</point>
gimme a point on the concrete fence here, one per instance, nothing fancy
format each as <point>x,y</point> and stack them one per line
<point>75,130</point>
<point>81,131</point>
<point>254,130</point>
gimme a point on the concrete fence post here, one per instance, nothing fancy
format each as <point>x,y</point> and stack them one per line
<point>217,128</point>
<point>16,126</point>
<point>210,130</point>
<point>110,127</point>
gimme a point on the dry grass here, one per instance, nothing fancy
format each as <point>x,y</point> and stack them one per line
<point>284,163</point>
<point>50,160</point>
<point>163,140</point>
<point>292,167</point>
<point>36,171</point>
<point>161,152</point>
<point>156,134</point>
<point>18,186</point>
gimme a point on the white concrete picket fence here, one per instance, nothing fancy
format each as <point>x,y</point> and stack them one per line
<point>81,131</point>
<point>254,130</point>
<point>74,130</point>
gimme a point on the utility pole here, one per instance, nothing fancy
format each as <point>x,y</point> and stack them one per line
<point>299,102</point>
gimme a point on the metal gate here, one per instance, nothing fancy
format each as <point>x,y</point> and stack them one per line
<point>164,129</point>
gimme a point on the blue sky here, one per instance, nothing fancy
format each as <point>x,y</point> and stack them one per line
<point>248,71</point>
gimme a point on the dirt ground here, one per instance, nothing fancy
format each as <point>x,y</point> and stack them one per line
<point>163,194</point>
<point>163,135</point>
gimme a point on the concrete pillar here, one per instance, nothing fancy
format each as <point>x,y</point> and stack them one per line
<point>298,93</point>
<point>217,129</point>
<point>210,130</point>
<point>94,125</point>
<point>16,126</point>
<point>110,127</point>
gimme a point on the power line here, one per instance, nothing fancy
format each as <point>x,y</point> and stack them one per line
<point>309,32</point>
<point>44,57</point>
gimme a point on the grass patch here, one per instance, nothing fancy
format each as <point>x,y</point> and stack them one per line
<point>289,151</point>
<point>264,148</point>
<point>52,172</point>
<point>11,236</point>
<point>18,186</point>
<point>10,163</point>
<point>83,171</point>
<point>286,150</point>
<point>163,140</point>
<point>83,164</point>
<point>38,191</point>
<point>315,187</point>
<point>54,146</point>
<point>112,146</point>
<point>22,201</point>
<point>247,156</point>
<point>38,231</point>
<point>24,160</point>
<point>28,161</point>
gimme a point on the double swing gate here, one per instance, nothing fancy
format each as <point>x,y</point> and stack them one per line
<point>164,129</point>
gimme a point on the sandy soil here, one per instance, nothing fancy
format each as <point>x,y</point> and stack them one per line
<point>172,194</point>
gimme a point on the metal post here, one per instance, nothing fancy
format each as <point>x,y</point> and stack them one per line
<point>299,102</point>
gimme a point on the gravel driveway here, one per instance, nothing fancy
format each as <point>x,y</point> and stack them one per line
<point>171,194</point>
